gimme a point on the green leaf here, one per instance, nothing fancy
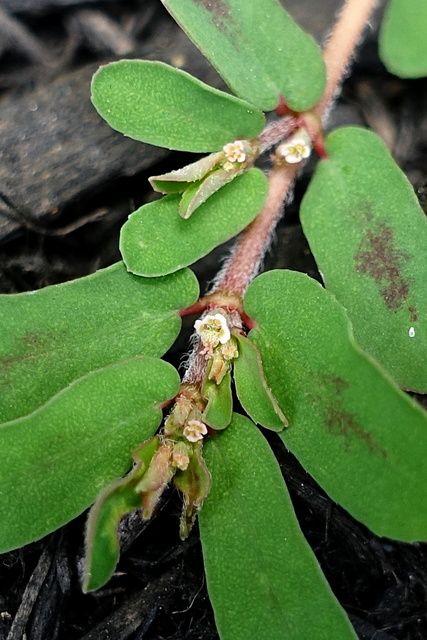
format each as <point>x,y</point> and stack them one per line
<point>53,336</point>
<point>257,48</point>
<point>356,433</point>
<point>369,237</point>
<point>55,461</point>
<point>155,103</point>
<point>402,41</point>
<point>263,579</point>
<point>156,240</point>
<point>219,409</point>
<point>252,389</point>
<point>118,499</point>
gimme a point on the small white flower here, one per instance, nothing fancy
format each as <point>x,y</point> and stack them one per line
<point>295,150</point>
<point>234,151</point>
<point>195,430</point>
<point>213,330</point>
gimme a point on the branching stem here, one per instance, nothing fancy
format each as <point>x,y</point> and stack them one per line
<point>249,251</point>
<point>254,242</point>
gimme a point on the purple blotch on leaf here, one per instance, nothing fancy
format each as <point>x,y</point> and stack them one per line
<point>378,257</point>
<point>220,15</point>
<point>338,420</point>
<point>414,313</point>
<point>342,423</point>
<point>219,8</point>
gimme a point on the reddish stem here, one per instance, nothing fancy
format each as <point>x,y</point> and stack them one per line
<point>254,242</point>
<point>196,308</point>
<point>341,46</point>
<point>276,132</point>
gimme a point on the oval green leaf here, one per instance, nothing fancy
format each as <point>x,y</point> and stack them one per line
<point>369,237</point>
<point>155,103</point>
<point>264,581</point>
<point>156,241</point>
<point>257,48</point>
<point>402,40</point>
<point>54,462</point>
<point>252,389</point>
<point>361,438</point>
<point>52,336</point>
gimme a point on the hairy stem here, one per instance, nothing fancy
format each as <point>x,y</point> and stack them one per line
<point>340,47</point>
<point>276,131</point>
<point>249,252</point>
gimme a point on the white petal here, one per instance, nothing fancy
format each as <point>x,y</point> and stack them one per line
<point>293,159</point>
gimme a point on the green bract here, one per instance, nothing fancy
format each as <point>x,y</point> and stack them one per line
<point>53,336</point>
<point>252,389</point>
<point>257,48</point>
<point>194,484</point>
<point>156,240</point>
<point>198,181</point>
<point>179,180</point>
<point>157,104</point>
<point>259,568</point>
<point>118,499</point>
<point>55,461</point>
<point>369,237</point>
<point>361,438</point>
<point>403,42</point>
<point>219,408</point>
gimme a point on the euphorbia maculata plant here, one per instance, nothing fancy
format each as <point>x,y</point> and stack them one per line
<point>324,367</point>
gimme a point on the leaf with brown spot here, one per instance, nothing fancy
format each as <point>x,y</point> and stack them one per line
<point>378,257</point>
<point>369,237</point>
<point>260,52</point>
<point>361,438</point>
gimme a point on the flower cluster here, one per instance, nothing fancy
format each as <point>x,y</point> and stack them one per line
<point>213,330</point>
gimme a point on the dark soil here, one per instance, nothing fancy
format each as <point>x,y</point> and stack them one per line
<point>67,184</point>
